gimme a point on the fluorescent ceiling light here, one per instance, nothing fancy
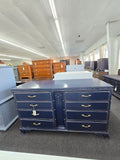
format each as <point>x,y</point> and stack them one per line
<point>11,56</point>
<point>24,48</point>
<point>54,13</point>
<point>3,59</point>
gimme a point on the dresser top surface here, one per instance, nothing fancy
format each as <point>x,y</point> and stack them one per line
<point>116,77</point>
<point>63,85</point>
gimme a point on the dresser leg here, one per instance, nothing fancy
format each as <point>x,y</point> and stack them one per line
<point>106,136</point>
<point>22,131</point>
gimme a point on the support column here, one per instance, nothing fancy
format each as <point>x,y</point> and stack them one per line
<point>113,44</point>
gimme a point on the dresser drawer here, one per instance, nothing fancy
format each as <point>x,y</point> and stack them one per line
<point>36,114</point>
<point>86,106</point>
<point>33,96</point>
<point>87,126</point>
<point>85,96</point>
<point>37,124</point>
<point>86,115</point>
<point>34,105</point>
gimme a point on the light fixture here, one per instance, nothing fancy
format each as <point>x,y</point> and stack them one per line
<point>11,56</point>
<point>54,13</point>
<point>24,48</point>
<point>5,59</point>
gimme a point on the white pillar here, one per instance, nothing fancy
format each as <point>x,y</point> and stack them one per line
<point>113,51</point>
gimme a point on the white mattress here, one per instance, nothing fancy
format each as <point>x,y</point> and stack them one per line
<point>74,68</point>
<point>73,75</point>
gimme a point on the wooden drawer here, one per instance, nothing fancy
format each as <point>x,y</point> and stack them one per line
<point>86,106</point>
<point>36,114</point>
<point>43,74</point>
<point>34,105</point>
<point>43,66</point>
<point>84,115</point>
<point>86,96</point>
<point>37,124</point>
<point>83,126</point>
<point>42,70</point>
<point>44,96</point>
<point>42,62</point>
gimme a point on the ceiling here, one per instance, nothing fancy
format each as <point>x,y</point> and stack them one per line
<point>30,24</point>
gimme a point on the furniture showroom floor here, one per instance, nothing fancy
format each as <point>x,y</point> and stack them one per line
<point>67,144</point>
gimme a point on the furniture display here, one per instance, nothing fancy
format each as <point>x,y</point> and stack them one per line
<point>59,67</point>
<point>99,74</point>
<point>25,72</point>
<point>87,64</point>
<point>8,113</point>
<point>42,69</point>
<point>114,80</point>
<point>74,68</point>
<point>16,73</point>
<point>102,64</point>
<point>73,75</point>
<point>93,65</point>
<point>64,105</point>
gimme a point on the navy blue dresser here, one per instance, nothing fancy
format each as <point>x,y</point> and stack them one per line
<point>64,105</point>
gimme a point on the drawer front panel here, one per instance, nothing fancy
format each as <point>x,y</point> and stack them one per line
<point>34,105</point>
<point>86,115</point>
<point>84,96</point>
<point>86,106</point>
<point>87,126</point>
<point>36,114</point>
<point>33,97</point>
<point>37,124</point>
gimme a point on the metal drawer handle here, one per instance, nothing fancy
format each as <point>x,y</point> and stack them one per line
<point>83,115</point>
<point>37,114</point>
<point>88,126</point>
<point>87,95</point>
<point>36,124</point>
<point>33,105</point>
<point>32,96</point>
<point>85,105</point>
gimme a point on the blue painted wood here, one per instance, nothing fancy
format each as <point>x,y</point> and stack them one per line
<point>86,115</point>
<point>86,96</point>
<point>37,124</point>
<point>33,96</point>
<point>34,105</point>
<point>87,105</point>
<point>39,114</point>
<point>67,105</point>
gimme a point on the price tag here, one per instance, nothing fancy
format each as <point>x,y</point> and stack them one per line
<point>34,112</point>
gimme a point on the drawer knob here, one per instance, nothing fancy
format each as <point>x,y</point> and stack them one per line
<point>36,124</point>
<point>84,126</point>
<point>33,105</point>
<point>83,115</point>
<point>85,105</point>
<point>32,96</point>
<point>86,95</point>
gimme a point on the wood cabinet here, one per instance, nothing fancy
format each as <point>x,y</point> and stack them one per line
<point>42,69</point>
<point>99,75</point>
<point>59,67</point>
<point>25,72</point>
<point>82,106</point>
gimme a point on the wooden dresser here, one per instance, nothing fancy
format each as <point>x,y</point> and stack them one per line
<point>42,69</point>
<point>64,105</point>
<point>25,72</point>
<point>114,80</point>
<point>59,67</point>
